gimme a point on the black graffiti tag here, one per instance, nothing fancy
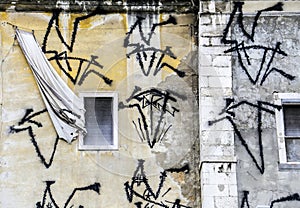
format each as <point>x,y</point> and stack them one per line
<point>28,119</point>
<point>149,57</point>
<point>281,200</point>
<point>140,188</point>
<point>64,60</point>
<point>245,203</point>
<point>260,107</point>
<point>185,169</point>
<point>292,197</point>
<point>151,130</point>
<point>51,203</point>
<point>264,68</point>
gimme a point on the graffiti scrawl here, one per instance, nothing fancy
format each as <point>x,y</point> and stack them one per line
<point>153,101</point>
<point>140,188</point>
<point>260,107</point>
<point>28,119</point>
<point>293,197</point>
<point>245,203</point>
<point>281,200</point>
<point>146,53</point>
<point>48,200</point>
<point>64,60</point>
<point>184,169</point>
<point>264,68</point>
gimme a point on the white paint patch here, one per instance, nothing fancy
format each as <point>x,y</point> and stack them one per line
<point>106,19</point>
<point>82,4</point>
<point>63,5</point>
<point>212,6</point>
<point>11,8</point>
<point>107,3</point>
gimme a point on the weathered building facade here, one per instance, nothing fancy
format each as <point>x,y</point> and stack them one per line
<point>248,81</point>
<point>196,101</point>
<point>131,63</point>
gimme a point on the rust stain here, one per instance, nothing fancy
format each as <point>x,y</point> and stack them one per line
<point>179,177</point>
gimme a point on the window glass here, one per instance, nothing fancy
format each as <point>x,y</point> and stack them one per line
<point>292,149</point>
<point>288,129</point>
<point>99,121</point>
<point>291,120</point>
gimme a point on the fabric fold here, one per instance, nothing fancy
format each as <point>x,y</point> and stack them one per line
<point>66,110</point>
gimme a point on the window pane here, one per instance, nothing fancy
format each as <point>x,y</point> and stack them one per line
<point>99,121</point>
<point>291,120</point>
<point>292,149</point>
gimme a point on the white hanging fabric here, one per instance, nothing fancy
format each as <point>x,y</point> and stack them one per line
<point>66,110</point>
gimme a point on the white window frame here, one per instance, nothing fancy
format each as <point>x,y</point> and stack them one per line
<point>280,99</point>
<point>115,145</point>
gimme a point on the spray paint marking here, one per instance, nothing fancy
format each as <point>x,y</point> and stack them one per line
<point>245,200</point>
<point>260,106</point>
<point>146,194</point>
<point>68,60</point>
<point>238,7</point>
<point>147,54</point>
<point>185,169</point>
<point>152,101</point>
<point>52,203</point>
<point>282,200</point>
<point>265,67</point>
<point>293,197</point>
<point>28,118</point>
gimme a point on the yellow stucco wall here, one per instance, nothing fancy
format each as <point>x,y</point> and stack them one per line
<point>23,176</point>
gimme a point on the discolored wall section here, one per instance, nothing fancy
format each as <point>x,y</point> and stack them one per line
<point>248,52</point>
<point>262,176</point>
<point>93,50</point>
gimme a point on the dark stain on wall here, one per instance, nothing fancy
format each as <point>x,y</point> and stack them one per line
<point>110,6</point>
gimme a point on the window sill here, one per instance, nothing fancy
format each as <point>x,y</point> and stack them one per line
<point>97,147</point>
<point>289,166</point>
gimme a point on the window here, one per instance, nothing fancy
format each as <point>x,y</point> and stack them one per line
<point>288,129</point>
<point>101,121</point>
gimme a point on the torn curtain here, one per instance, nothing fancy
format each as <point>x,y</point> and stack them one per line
<point>66,110</point>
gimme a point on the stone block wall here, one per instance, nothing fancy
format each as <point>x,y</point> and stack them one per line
<point>248,51</point>
<point>217,153</point>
